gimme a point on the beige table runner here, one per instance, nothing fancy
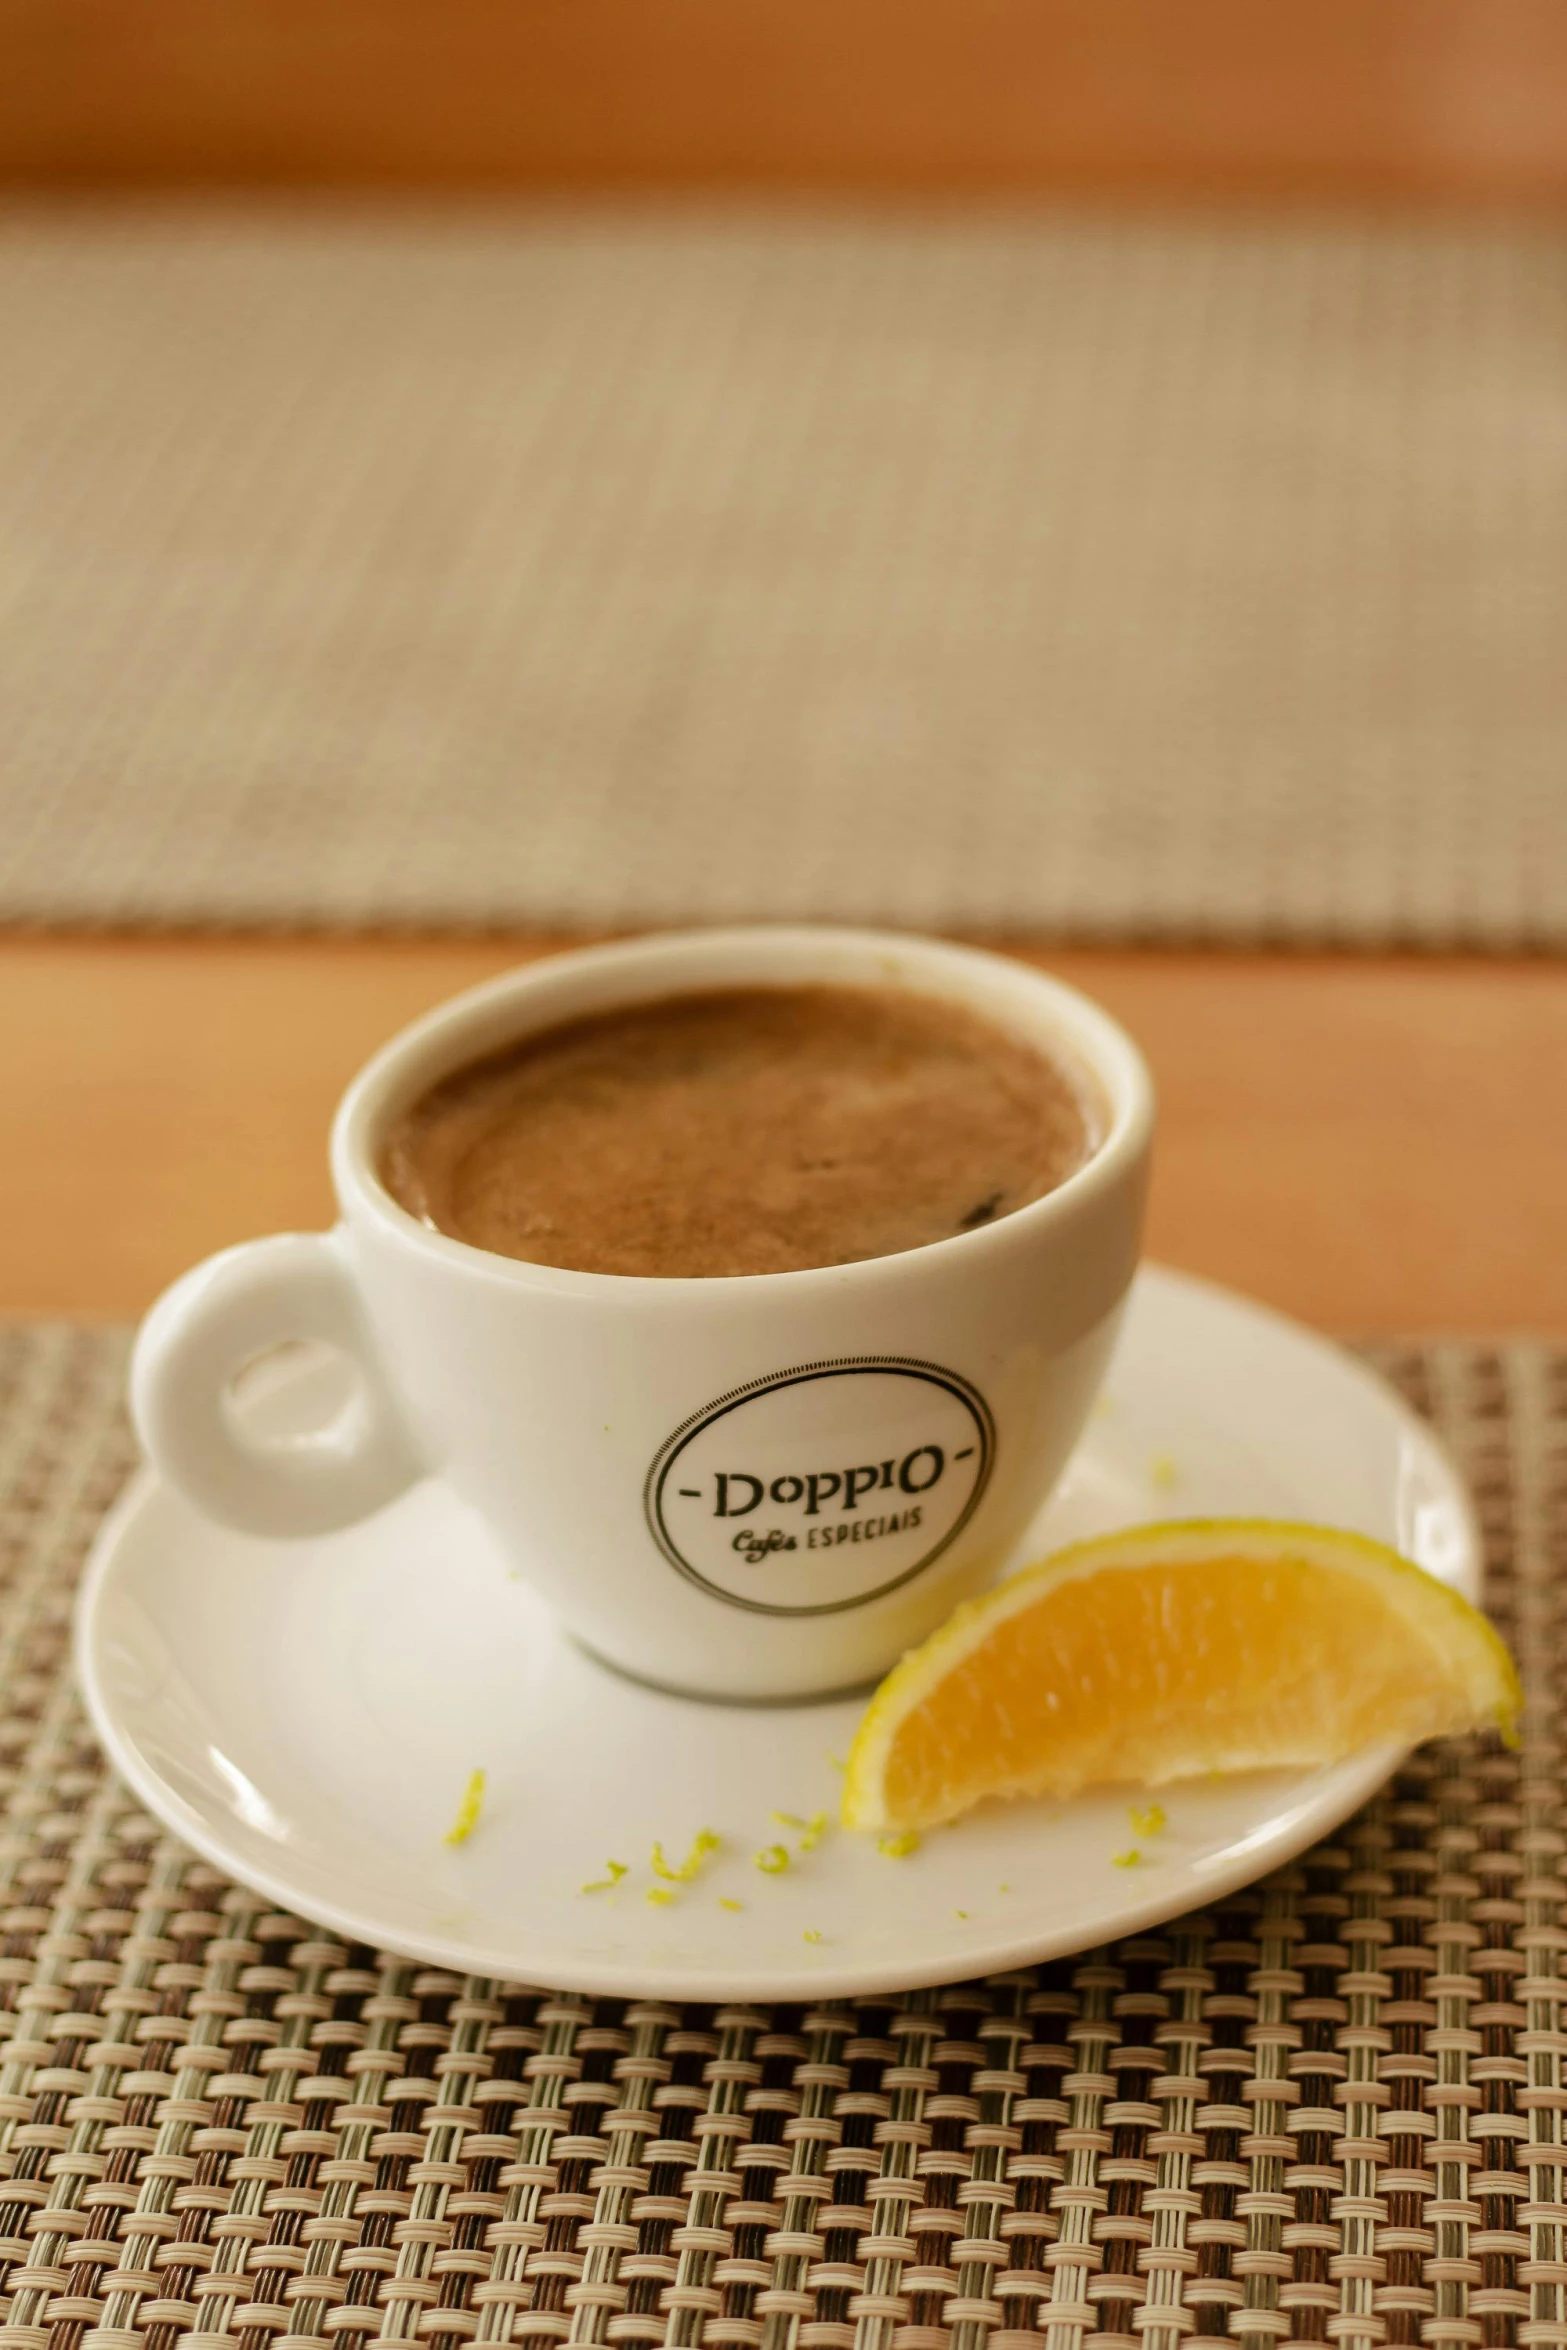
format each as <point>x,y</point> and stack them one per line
<point>1195,580</point>
<point>1331,2109</point>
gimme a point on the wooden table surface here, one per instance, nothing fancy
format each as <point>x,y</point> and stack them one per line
<point>1375,1145</point>
<point>1425,98</point>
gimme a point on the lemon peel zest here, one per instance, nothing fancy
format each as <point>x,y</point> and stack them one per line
<point>658,1894</point>
<point>681,1873</point>
<point>468,1810</point>
<point>810,1935</point>
<point>1164,1471</point>
<point>725,1903</point>
<point>772,1860</point>
<point>1126,1860</point>
<point>1147,1819</point>
<point>899,1847</point>
<point>617,1869</point>
<point>810,1832</point>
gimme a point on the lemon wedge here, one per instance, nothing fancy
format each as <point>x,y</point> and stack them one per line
<point>1171,1652</point>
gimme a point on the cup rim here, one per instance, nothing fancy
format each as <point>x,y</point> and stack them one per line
<point>418,1054</point>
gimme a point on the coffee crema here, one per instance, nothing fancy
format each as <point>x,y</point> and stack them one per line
<point>753,1130</point>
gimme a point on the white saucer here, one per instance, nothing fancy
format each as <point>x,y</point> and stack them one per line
<point>307,1714</point>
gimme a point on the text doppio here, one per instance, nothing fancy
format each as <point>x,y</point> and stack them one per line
<point>737,1492</point>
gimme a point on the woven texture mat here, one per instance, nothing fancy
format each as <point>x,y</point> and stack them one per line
<point>1329,2110</point>
<point>1108,580</point>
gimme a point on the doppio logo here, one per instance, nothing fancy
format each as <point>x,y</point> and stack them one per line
<point>821,1488</point>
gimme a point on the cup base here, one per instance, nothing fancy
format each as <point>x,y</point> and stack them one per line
<point>790,1701</point>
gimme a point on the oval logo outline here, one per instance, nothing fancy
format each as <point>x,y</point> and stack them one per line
<point>952,1383</point>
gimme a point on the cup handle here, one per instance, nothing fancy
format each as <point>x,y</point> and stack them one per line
<point>204,1331</point>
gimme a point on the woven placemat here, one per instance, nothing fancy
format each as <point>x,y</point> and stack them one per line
<point>1194,580</point>
<point>1328,2110</point>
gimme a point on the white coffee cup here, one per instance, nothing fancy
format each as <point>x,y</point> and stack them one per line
<point>762,1486</point>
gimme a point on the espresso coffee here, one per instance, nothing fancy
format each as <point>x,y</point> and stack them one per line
<point>758,1130</point>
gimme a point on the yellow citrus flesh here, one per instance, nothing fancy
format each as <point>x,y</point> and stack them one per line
<point>1171,1652</point>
